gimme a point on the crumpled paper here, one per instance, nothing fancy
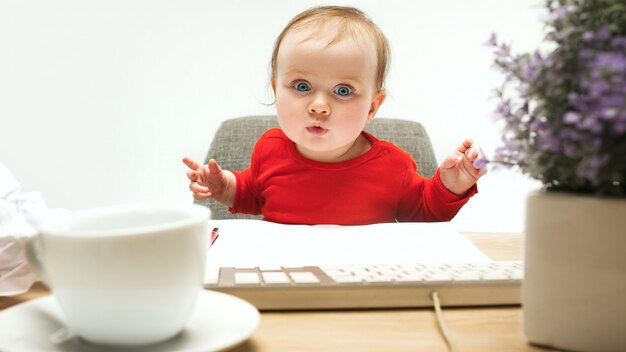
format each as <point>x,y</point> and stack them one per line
<point>19,214</point>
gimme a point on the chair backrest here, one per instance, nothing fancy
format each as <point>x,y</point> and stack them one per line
<point>233,142</point>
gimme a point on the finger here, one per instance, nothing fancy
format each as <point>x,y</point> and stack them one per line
<point>196,188</point>
<point>202,196</point>
<point>476,173</point>
<point>192,175</point>
<point>452,160</point>
<point>473,171</point>
<point>467,143</point>
<point>192,164</point>
<point>471,154</point>
<point>214,168</point>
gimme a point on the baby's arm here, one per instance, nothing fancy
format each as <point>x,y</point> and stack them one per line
<point>457,171</point>
<point>210,181</point>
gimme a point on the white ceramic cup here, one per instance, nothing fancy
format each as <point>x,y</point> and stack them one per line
<point>124,275</point>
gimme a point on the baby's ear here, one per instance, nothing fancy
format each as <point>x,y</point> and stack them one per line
<point>377,101</point>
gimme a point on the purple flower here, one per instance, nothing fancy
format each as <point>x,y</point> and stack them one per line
<point>538,125</point>
<point>504,49</point>
<point>562,11</point>
<point>570,150</point>
<point>564,33</point>
<point>586,54</point>
<point>574,99</point>
<point>609,113</point>
<point>547,142</point>
<point>598,161</point>
<point>618,43</point>
<point>597,88</point>
<point>528,72</point>
<point>480,163</point>
<point>503,108</point>
<point>591,124</point>
<point>615,62</point>
<point>613,101</point>
<point>603,34</point>
<point>571,117</point>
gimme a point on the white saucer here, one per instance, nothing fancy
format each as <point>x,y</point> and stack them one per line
<point>219,322</point>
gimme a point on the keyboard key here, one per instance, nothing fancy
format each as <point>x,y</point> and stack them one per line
<point>347,279</point>
<point>361,272</point>
<point>467,276</point>
<point>304,277</point>
<point>411,278</point>
<point>377,279</point>
<point>439,277</point>
<point>279,277</point>
<point>496,275</point>
<point>247,278</point>
<point>388,272</point>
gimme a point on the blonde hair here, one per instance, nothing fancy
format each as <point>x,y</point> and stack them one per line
<point>350,22</point>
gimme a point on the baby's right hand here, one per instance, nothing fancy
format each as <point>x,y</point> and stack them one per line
<point>210,181</point>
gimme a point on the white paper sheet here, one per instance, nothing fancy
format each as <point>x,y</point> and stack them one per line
<point>250,243</point>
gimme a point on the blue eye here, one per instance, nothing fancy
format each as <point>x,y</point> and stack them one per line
<point>302,86</point>
<point>343,91</point>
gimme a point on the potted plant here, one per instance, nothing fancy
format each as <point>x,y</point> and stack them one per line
<point>563,115</point>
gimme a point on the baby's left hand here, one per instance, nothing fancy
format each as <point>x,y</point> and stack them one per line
<point>457,170</point>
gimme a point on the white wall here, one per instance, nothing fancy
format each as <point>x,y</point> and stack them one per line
<point>100,100</point>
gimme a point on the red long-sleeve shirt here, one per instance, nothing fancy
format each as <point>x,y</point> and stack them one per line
<point>381,185</point>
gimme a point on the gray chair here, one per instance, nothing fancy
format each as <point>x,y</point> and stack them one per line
<point>233,142</point>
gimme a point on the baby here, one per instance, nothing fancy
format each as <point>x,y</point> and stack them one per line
<point>328,73</point>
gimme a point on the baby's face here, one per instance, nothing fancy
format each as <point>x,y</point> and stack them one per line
<point>325,94</point>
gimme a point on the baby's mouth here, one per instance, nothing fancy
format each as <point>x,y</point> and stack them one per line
<point>317,130</point>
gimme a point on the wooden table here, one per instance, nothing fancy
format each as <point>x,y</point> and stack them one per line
<point>473,329</point>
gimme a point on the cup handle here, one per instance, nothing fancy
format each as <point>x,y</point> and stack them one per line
<point>34,250</point>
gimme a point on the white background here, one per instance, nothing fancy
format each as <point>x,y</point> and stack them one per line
<point>100,100</point>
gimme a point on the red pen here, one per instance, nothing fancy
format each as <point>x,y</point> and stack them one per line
<point>214,235</point>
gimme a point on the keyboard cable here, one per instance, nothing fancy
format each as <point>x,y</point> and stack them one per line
<point>443,328</point>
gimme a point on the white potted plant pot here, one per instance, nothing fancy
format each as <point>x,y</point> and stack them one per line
<point>574,288</point>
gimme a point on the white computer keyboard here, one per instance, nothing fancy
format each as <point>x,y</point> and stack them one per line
<point>371,286</point>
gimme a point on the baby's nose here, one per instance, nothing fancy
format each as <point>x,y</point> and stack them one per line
<point>319,108</point>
